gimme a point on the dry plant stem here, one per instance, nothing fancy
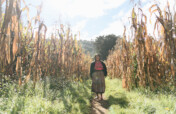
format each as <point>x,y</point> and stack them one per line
<point>146,61</point>
<point>26,54</point>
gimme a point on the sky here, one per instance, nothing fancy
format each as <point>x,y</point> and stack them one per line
<point>91,18</point>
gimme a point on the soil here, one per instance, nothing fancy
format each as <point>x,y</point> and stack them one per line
<point>99,106</point>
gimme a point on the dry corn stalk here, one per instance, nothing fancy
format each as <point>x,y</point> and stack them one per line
<point>147,61</point>
<point>31,53</point>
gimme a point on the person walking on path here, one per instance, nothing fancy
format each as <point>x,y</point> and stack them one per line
<point>98,72</point>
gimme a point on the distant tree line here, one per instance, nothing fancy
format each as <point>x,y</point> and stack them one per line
<point>88,47</point>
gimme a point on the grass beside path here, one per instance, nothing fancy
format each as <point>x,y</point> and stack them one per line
<point>138,101</point>
<point>63,97</point>
<point>49,97</point>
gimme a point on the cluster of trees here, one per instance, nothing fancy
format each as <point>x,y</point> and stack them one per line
<point>102,45</point>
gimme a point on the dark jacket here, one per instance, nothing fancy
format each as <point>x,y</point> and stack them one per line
<point>93,70</point>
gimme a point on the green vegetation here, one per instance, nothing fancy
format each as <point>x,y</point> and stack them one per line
<point>27,58</point>
<point>88,47</point>
<point>138,101</point>
<point>104,44</point>
<point>49,96</point>
<point>58,96</point>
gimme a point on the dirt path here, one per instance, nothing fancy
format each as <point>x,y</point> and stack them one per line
<point>99,107</point>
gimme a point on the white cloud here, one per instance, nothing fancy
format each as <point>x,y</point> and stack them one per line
<point>143,1</point>
<point>115,27</point>
<point>75,30</point>
<point>119,15</point>
<point>85,36</point>
<point>79,26</point>
<point>84,8</point>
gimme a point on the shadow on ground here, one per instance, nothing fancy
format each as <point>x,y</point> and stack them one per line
<point>121,101</point>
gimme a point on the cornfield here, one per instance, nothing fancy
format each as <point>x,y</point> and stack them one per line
<point>26,54</point>
<point>146,61</point>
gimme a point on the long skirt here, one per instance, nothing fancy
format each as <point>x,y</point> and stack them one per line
<point>98,82</point>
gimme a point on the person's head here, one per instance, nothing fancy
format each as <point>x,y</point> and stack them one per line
<point>97,57</point>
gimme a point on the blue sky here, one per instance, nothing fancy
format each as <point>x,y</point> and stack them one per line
<point>91,17</point>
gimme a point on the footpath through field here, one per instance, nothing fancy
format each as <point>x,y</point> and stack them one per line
<point>117,101</point>
<point>99,107</point>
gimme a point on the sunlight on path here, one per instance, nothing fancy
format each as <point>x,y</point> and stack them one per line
<point>98,107</point>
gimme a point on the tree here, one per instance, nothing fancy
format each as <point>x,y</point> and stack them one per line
<point>105,43</point>
<point>88,47</point>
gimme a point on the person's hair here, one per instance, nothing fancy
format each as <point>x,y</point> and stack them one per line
<point>97,55</point>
